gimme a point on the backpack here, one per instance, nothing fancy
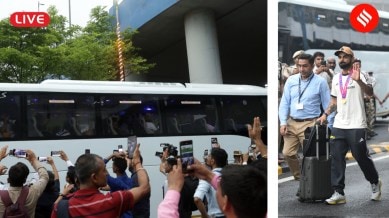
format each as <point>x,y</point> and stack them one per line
<point>17,209</point>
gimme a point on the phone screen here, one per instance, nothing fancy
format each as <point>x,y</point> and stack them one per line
<point>19,153</point>
<point>214,143</point>
<point>131,143</point>
<point>120,148</point>
<point>55,153</point>
<point>186,152</point>
<point>87,151</point>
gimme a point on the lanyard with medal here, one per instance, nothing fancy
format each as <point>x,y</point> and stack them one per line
<point>343,89</point>
<point>299,105</point>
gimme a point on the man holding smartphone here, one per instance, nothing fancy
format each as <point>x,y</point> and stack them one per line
<point>17,176</point>
<point>217,159</point>
<point>89,202</point>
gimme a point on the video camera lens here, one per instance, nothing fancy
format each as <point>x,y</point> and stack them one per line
<point>172,160</point>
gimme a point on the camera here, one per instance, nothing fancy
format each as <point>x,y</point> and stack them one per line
<point>18,153</point>
<point>172,153</point>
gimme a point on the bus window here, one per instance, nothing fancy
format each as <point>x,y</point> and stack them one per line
<point>239,111</point>
<point>191,115</point>
<point>9,116</point>
<point>123,115</point>
<point>341,20</point>
<point>60,115</point>
<point>322,17</point>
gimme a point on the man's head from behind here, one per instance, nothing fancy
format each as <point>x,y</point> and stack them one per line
<point>90,170</point>
<point>119,165</point>
<point>17,174</point>
<point>242,191</point>
<point>217,158</point>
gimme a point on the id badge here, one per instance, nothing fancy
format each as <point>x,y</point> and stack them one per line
<point>299,106</point>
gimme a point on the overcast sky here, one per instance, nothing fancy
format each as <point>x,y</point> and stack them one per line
<point>80,9</point>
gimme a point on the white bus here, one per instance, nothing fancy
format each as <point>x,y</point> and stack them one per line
<point>78,115</point>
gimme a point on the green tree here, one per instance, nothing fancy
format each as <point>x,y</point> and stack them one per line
<point>57,51</point>
<point>30,54</point>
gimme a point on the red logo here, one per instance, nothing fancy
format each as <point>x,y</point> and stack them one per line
<point>364,18</point>
<point>29,19</point>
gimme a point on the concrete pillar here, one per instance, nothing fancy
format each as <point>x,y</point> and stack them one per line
<point>202,47</point>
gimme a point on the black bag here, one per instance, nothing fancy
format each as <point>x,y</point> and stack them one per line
<point>315,181</point>
<point>17,209</point>
<point>186,204</point>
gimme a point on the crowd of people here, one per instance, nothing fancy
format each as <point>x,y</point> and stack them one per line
<point>90,191</point>
<point>312,92</point>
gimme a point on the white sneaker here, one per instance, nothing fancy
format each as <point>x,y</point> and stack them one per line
<point>336,198</point>
<point>376,189</point>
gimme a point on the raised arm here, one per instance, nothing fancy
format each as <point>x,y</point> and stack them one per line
<point>65,158</point>
<point>255,134</point>
<point>39,185</point>
<point>168,208</point>
<point>144,185</point>
<point>52,164</point>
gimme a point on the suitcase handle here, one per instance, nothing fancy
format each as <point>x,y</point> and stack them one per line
<point>317,142</point>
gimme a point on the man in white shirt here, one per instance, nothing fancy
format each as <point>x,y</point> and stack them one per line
<point>217,159</point>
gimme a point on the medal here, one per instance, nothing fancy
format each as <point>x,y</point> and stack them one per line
<point>343,89</point>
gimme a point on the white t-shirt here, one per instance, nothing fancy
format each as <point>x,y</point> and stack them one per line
<point>351,113</point>
<point>150,128</point>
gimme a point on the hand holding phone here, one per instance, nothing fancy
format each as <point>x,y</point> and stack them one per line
<point>214,143</point>
<point>18,153</point>
<point>55,153</point>
<point>131,143</point>
<point>186,152</point>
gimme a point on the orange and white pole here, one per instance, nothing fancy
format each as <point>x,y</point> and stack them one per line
<point>119,44</point>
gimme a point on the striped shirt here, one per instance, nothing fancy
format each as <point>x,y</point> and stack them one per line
<point>93,203</point>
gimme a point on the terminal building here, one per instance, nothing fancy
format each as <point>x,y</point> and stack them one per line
<point>199,41</point>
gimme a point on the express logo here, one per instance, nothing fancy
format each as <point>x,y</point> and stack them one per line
<point>364,18</point>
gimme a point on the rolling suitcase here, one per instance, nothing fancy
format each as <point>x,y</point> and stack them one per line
<point>315,180</point>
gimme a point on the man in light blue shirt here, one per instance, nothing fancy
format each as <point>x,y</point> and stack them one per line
<point>304,96</point>
<point>217,159</point>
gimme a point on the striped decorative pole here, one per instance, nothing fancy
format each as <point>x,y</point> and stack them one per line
<point>119,44</point>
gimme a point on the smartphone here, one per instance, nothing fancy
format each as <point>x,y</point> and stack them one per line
<point>186,152</point>
<point>42,159</point>
<point>120,148</point>
<point>18,153</point>
<point>131,143</point>
<point>214,143</point>
<point>205,153</point>
<point>87,151</point>
<point>55,153</point>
